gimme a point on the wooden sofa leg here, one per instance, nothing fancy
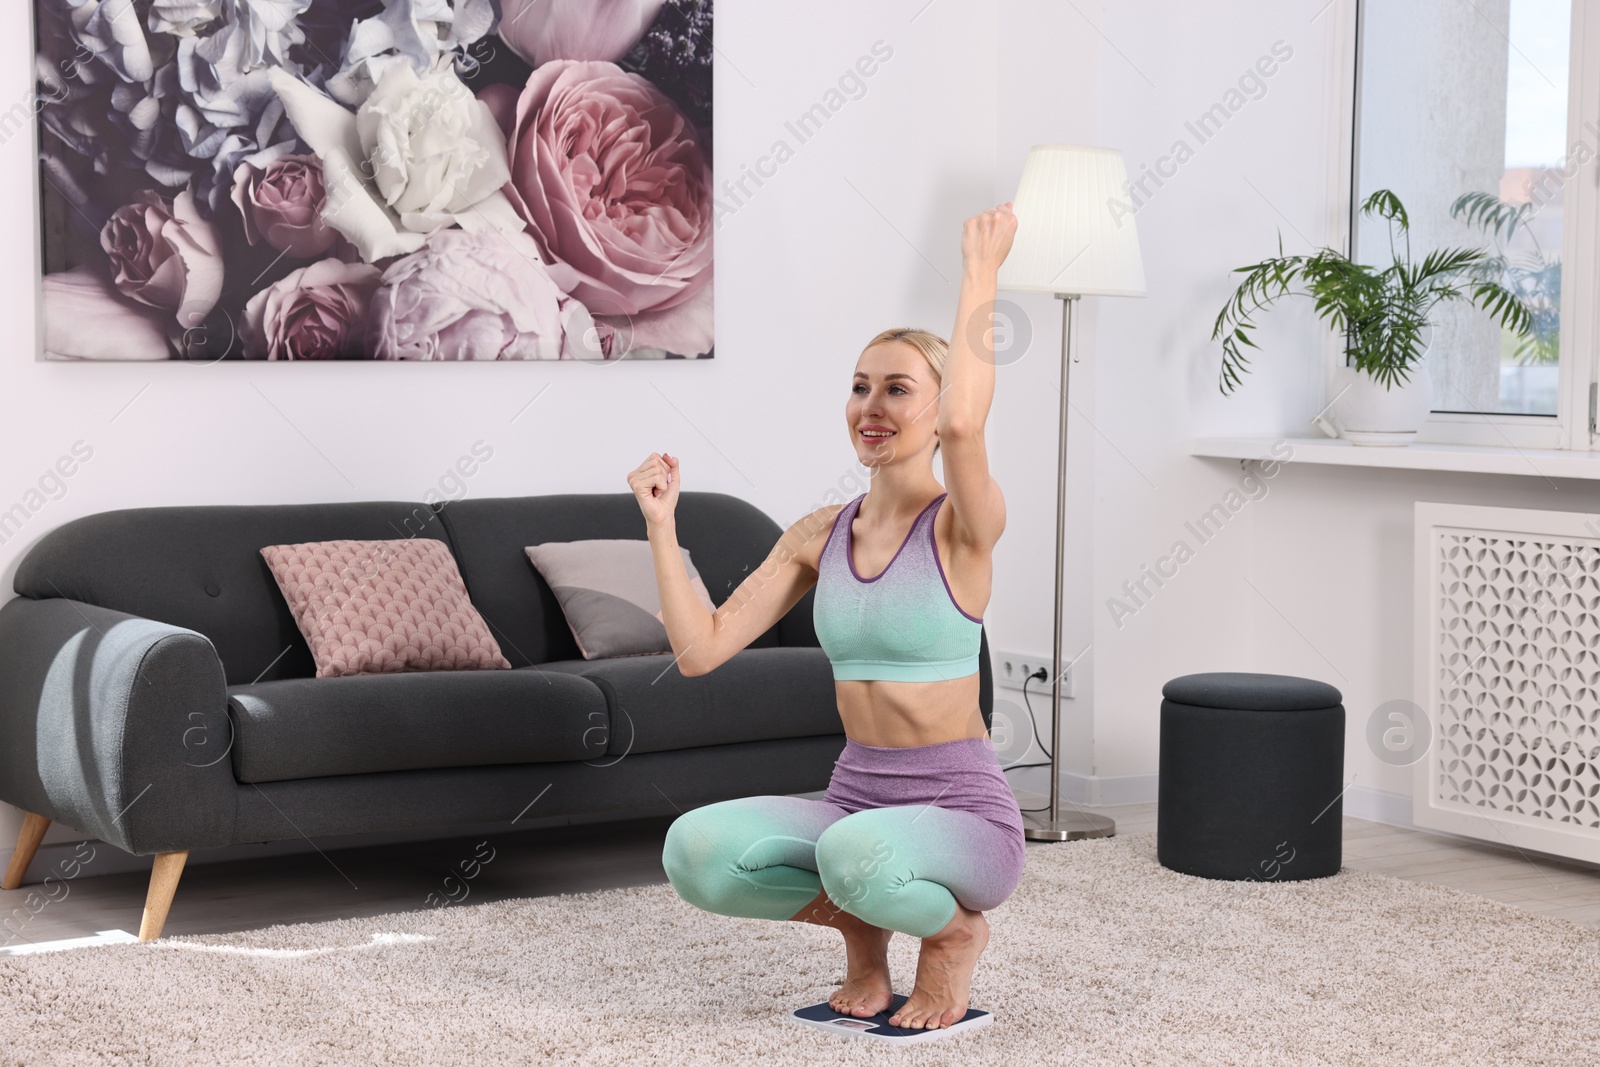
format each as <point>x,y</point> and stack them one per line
<point>163,883</point>
<point>33,828</point>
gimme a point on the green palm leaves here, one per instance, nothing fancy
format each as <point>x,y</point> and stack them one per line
<point>1382,313</point>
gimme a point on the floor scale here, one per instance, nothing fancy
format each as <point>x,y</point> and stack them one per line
<point>877,1026</point>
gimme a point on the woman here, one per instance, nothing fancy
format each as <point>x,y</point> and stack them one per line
<point>919,831</point>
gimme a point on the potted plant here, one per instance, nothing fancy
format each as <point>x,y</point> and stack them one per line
<point>1383,314</point>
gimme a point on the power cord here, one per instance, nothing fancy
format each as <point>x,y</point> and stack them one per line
<point>1033,727</point>
<point>1033,732</point>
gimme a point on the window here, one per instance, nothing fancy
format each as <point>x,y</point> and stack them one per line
<point>1475,113</point>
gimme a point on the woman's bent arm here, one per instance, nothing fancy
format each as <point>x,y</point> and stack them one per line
<point>689,624</point>
<point>702,640</point>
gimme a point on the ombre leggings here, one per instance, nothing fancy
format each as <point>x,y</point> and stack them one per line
<point>901,836</point>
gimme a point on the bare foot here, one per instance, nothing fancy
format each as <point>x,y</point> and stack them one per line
<point>944,973</point>
<point>866,989</point>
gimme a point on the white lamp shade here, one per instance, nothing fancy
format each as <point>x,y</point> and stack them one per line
<point>1075,231</point>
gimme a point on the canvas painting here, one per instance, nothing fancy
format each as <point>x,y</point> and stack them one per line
<point>374,179</point>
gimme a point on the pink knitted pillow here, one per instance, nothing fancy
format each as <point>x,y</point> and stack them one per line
<point>375,607</point>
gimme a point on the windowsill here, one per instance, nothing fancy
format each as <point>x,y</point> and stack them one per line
<point>1422,455</point>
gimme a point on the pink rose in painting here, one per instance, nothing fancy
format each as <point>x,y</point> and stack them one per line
<point>542,30</point>
<point>281,203</point>
<point>316,312</point>
<point>612,181</point>
<point>482,295</point>
<point>164,254</point>
<point>86,318</point>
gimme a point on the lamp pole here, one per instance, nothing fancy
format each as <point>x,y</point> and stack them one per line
<point>1078,824</point>
<point>1070,244</point>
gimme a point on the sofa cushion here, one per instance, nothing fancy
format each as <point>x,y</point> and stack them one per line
<point>358,724</point>
<point>728,537</point>
<point>609,593</point>
<point>382,606</point>
<point>198,567</point>
<point>761,694</point>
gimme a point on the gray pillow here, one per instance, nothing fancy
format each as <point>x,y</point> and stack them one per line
<point>607,589</point>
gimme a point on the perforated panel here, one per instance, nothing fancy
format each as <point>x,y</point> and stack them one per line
<point>1509,658</point>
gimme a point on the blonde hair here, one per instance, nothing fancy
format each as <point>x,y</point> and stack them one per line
<point>934,349</point>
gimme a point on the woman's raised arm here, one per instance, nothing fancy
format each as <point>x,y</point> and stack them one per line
<point>967,385</point>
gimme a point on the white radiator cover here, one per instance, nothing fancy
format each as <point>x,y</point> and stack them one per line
<point>1507,617</point>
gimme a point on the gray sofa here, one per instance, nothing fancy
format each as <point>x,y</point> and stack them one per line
<point>156,694</point>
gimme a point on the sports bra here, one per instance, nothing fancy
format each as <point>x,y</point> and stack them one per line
<point>902,625</point>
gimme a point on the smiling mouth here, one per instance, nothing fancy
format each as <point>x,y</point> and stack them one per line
<point>875,435</point>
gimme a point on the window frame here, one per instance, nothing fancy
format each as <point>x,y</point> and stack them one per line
<point>1572,427</point>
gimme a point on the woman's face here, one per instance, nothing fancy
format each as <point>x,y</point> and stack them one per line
<point>894,404</point>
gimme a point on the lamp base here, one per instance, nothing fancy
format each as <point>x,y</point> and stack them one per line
<point>1071,826</point>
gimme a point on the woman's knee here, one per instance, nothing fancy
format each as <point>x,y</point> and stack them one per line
<point>681,851</point>
<point>746,857</point>
<point>693,859</point>
<point>882,866</point>
<point>856,858</point>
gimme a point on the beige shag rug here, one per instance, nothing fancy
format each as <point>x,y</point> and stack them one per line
<point>1101,956</point>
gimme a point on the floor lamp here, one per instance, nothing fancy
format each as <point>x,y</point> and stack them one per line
<point>1075,238</point>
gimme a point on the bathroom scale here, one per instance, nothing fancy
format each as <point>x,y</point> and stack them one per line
<point>877,1026</point>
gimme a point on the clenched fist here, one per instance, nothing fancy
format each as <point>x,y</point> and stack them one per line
<point>655,486</point>
<point>986,238</point>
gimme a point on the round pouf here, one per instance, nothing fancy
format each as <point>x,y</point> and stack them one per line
<point>1252,769</point>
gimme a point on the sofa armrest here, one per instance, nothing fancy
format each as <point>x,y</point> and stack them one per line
<point>115,725</point>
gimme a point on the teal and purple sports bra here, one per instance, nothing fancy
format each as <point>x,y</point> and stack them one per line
<point>901,625</point>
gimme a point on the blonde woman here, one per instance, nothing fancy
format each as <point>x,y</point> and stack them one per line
<point>919,831</point>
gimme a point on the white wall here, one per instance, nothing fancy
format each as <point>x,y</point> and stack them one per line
<point>1263,171</point>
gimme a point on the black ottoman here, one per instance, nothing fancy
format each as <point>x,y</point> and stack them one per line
<point>1252,773</point>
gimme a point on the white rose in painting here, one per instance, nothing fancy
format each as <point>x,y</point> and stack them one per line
<point>432,148</point>
<point>420,155</point>
<point>417,32</point>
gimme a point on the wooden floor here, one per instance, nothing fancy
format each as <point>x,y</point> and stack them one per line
<point>354,882</point>
<point>1527,880</point>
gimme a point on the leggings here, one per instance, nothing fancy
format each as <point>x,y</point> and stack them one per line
<point>901,836</point>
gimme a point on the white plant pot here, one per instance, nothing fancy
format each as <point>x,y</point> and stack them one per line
<point>1368,414</point>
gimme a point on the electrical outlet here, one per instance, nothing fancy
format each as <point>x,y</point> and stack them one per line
<point>1012,668</point>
